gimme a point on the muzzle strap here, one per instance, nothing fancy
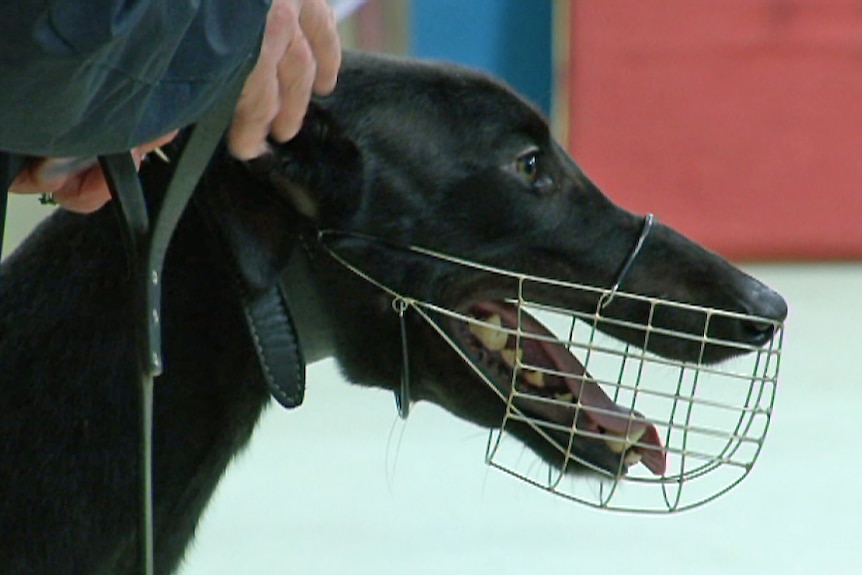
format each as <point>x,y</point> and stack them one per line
<point>403,401</point>
<point>608,297</point>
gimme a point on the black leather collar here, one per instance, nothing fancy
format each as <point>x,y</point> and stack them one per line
<point>263,298</point>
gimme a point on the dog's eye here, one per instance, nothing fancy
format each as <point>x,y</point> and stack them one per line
<point>531,167</point>
<point>528,166</point>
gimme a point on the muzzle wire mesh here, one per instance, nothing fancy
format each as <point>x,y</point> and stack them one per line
<point>712,419</point>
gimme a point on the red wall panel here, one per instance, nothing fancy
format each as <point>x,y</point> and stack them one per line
<point>738,122</point>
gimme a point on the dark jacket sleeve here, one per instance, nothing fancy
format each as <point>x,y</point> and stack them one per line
<point>82,77</point>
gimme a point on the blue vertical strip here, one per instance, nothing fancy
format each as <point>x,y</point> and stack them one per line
<point>510,38</point>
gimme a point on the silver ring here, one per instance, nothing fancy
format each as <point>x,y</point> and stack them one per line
<point>47,199</point>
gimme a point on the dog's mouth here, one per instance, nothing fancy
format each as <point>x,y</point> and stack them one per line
<point>527,364</point>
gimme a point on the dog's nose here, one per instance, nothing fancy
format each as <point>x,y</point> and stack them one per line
<point>769,305</point>
<point>757,332</point>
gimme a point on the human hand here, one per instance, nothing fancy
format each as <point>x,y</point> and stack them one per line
<point>76,187</point>
<point>300,54</point>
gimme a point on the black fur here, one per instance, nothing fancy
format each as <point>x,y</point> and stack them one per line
<point>413,153</point>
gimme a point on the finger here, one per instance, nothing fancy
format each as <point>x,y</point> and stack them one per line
<point>88,191</point>
<point>259,101</point>
<point>320,28</point>
<point>296,73</point>
<point>27,180</point>
<point>85,192</point>
<point>35,177</point>
<point>250,125</point>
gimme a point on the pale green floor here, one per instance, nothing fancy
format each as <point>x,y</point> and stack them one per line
<point>340,486</point>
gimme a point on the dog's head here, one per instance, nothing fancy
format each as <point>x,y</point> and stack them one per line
<point>408,154</point>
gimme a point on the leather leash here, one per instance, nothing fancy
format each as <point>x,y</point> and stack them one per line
<point>146,237</point>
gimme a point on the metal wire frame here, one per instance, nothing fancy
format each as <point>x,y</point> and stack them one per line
<point>693,440</point>
<point>713,419</point>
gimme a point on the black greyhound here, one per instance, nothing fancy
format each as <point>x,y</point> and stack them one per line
<point>412,153</point>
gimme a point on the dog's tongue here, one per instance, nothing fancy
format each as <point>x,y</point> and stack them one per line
<point>601,410</point>
<point>605,412</point>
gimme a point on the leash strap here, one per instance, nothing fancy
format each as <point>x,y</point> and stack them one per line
<point>146,243</point>
<point>132,213</point>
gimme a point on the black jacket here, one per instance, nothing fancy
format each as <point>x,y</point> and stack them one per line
<point>81,77</point>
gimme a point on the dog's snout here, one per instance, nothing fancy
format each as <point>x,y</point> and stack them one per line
<point>766,303</point>
<point>757,332</point>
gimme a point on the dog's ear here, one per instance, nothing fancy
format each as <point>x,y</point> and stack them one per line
<point>263,205</point>
<point>319,162</point>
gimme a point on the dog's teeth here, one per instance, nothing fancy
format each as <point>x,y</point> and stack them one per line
<point>511,356</point>
<point>632,457</point>
<point>565,397</point>
<point>619,442</point>
<point>534,378</point>
<point>615,445</point>
<point>635,435</point>
<point>490,334</point>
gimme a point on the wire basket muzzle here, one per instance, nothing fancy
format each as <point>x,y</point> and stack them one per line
<point>658,435</point>
<point>711,420</point>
